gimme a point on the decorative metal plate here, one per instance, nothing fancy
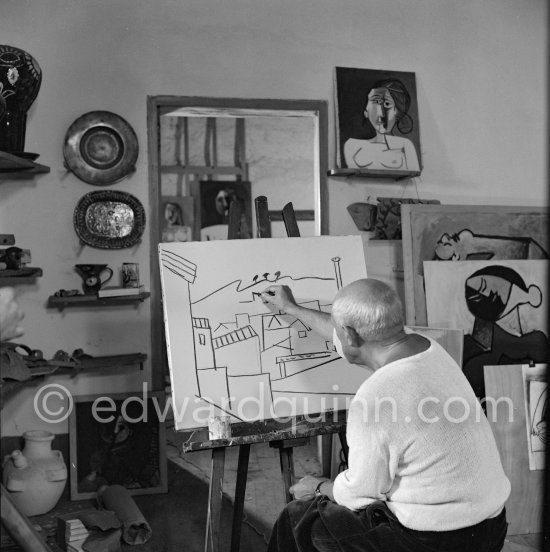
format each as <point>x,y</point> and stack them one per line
<point>100,148</point>
<point>109,219</point>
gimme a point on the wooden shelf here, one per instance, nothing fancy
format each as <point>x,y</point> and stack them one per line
<point>111,361</point>
<point>59,368</point>
<point>94,300</point>
<point>26,272</point>
<point>372,173</point>
<point>12,166</point>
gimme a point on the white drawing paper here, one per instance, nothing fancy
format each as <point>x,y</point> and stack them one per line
<point>228,353</point>
<point>535,393</point>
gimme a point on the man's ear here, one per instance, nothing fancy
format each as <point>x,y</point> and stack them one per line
<point>353,339</point>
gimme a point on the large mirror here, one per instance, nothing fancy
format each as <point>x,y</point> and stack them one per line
<point>205,153</point>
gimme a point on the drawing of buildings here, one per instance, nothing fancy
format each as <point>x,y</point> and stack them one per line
<point>239,357</point>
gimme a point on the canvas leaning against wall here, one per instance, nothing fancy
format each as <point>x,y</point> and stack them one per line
<point>502,307</point>
<point>466,233</point>
<point>228,353</point>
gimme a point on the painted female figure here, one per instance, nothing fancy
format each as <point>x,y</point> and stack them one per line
<point>174,228</point>
<point>387,105</point>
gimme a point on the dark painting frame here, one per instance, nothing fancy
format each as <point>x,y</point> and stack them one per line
<point>210,212</point>
<point>130,451</point>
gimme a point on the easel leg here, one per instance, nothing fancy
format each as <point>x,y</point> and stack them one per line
<point>19,527</point>
<point>326,454</point>
<point>287,470</point>
<point>240,491</point>
<point>344,443</point>
<point>214,515</point>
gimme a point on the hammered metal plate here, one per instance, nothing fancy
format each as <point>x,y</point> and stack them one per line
<point>100,148</point>
<point>109,219</point>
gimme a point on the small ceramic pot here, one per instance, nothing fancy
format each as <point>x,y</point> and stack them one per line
<point>36,476</point>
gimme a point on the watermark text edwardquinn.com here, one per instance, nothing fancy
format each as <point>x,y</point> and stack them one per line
<point>53,403</point>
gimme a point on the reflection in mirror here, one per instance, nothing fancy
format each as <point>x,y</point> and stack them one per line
<point>205,153</point>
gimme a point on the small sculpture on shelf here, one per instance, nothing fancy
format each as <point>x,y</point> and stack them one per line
<point>14,261</point>
<point>11,258</point>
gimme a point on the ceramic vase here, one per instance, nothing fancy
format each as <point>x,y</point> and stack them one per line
<point>20,79</point>
<point>35,476</point>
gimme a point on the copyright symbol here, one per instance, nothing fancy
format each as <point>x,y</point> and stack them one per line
<point>53,403</point>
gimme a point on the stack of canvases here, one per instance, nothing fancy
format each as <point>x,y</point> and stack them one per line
<point>494,289</point>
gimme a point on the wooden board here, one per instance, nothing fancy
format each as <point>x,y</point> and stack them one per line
<point>248,433</point>
<point>524,507</point>
<point>505,232</point>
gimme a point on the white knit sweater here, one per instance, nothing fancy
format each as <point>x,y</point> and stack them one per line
<point>412,445</point>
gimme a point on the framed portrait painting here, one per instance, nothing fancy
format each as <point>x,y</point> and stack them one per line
<point>178,219</point>
<point>377,121</point>
<point>117,439</point>
<point>213,199</point>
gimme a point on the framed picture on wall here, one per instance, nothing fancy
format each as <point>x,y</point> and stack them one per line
<point>213,199</point>
<point>377,120</point>
<point>117,439</point>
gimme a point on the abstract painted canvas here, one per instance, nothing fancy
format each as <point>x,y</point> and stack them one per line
<point>179,216</point>
<point>502,307</point>
<point>377,123</point>
<point>466,233</point>
<point>228,353</point>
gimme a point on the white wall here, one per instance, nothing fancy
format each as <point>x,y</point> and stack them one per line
<point>481,76</point>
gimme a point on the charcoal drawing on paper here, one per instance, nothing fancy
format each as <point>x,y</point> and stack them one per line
<point>228,353</point>
<point>535,393</point>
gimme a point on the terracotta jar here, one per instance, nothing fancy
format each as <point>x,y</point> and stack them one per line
<point>36,476</point>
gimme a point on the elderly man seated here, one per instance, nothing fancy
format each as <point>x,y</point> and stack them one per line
<point>424,471</point>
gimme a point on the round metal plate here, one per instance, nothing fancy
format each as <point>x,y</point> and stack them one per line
<point>100,148</point>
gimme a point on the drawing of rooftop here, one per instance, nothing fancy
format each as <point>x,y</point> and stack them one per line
<point>235,336</point>
<point>290,346</point>
<point>239,351</point>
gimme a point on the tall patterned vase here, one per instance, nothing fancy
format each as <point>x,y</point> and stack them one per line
<point>20,79</point>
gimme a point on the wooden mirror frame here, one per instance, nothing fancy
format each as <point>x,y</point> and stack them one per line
<point>220,107</point>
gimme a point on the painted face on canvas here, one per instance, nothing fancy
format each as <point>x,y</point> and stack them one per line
<point>492,297</point>
<point>381,110</point>
<point>487,295</point>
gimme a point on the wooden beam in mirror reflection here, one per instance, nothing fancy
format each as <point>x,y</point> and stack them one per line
<point>202,170</point>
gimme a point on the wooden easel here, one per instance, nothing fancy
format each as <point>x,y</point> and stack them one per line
<point>281,435</point>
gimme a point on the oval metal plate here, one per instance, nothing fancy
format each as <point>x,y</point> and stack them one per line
<point>109,219</point>
<point>100,148</point>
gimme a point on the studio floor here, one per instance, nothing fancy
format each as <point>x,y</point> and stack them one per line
<point>178,517</point>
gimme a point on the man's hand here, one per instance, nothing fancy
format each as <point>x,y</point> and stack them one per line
<point>278,298</point>
<point>305,488</point>
<point>10,315</point>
